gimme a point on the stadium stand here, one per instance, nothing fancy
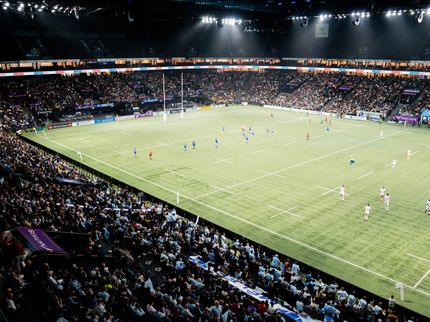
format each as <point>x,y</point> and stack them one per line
<point>138,261</point>
<point>56,96</point>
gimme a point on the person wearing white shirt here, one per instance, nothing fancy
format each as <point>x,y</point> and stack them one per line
<point>427,211</point>
<point>382,192</point>
<point>367,210</point>
<point>342,193</point>
<point>387,201</point>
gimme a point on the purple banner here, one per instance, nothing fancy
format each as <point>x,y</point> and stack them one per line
<point>345,88</point>
<point>408,118</point>
<point>39,240</point>
<point>146,114</point>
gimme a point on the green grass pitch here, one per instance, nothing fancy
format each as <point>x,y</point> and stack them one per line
<point>282,190</point>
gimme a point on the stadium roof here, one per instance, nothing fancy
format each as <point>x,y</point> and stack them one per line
<point>246,9</point>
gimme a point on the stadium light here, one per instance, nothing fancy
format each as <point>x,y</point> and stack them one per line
<point>305,22</point>
<point>420,17</point>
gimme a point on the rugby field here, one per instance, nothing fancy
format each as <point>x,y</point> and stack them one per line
<point>282,190</point>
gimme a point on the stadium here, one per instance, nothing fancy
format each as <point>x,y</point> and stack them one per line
<point>222,160</point>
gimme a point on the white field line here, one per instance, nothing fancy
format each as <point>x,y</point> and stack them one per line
<point>414,152</point>
<point>421,279</point>
<point>257,226</point>
<point>212,186</point>
<point>318,136</point>
<point>365,175</point>
<point>85,140</point>
<point>174,172</point>
<point>171,144</point>
<point>271,173</point>
<point>302,163</point>
<point>423,259</point>
<point>223,160</point>
<point>284,211</point>
<point>126,133</point>
<point>423,144</point>
<point>329,191</point>
<point>259,151</point>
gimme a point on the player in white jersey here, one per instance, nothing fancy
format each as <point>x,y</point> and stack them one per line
<point>387,201</point>
<point>367,210</point>
<point>394,163</point>
<point>382,192</point>
<point>342,192</point>
<point>427,211</point>
<point>408,155</point>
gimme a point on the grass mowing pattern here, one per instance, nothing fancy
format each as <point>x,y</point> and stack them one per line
<point>276,189</point>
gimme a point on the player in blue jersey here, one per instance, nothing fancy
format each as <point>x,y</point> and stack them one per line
<point>185,147</point>
<point>216,142</point>
<point>194,144</point>
<point>134,151</point>
<point>223,130</point>
<point>246,139</point>
<point>351,161</point>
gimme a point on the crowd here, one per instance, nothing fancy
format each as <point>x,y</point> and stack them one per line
<point>315,91</point>
<point>422,102</point>
<point>112,282</point>
<point>372,94</point>
<point>330,92</point>
<point>263,88</point>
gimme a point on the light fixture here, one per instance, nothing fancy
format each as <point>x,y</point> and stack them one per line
<point>420,17</point>
<point>305,22</point>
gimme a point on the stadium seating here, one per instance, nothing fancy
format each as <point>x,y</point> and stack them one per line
<point>338,93</point>
<point>136,264</point>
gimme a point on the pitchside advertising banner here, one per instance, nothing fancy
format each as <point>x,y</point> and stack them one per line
<point>413,120</point>
<point>300,110</point>
<point>59,125</point>
<point>105,120</point>
<point>145,114</point>
<point>81,123</point>
<point>373,116</point>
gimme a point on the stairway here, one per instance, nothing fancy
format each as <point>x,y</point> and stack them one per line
<point>393,112</point>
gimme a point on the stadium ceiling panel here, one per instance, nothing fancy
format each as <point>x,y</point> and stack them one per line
<point>247,9</point>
